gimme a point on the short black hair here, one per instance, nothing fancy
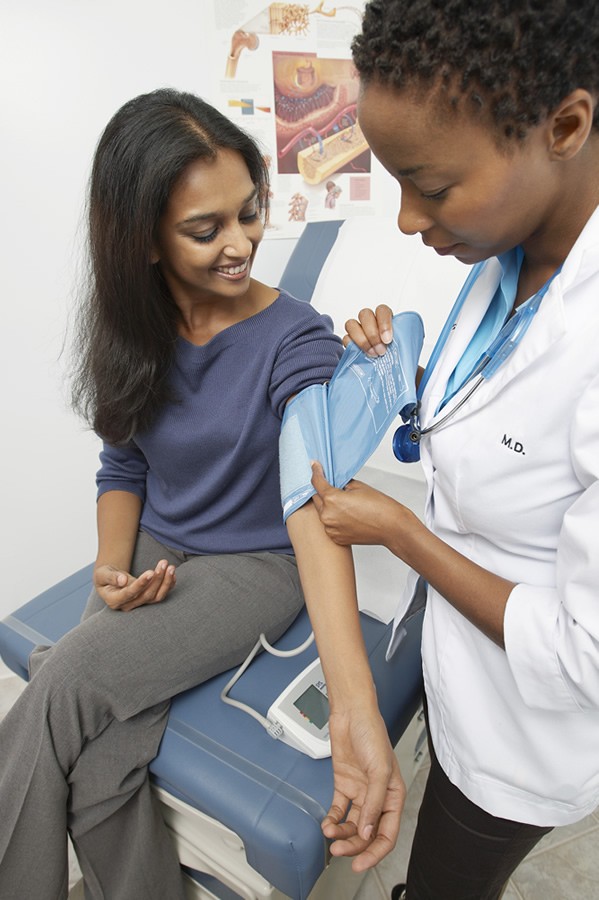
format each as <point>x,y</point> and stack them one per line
<point>513,59</point>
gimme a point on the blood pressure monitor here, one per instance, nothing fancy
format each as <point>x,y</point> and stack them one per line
<point>302,711</point>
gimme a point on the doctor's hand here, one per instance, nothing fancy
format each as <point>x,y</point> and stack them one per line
<point>358,514</point>
<point>369,792</point>
<point>122,591</point>
<point>371,331</point>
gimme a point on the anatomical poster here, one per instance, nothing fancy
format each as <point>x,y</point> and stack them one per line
<point>284,74</point>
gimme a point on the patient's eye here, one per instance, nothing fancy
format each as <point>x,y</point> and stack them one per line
<point>205,238</point>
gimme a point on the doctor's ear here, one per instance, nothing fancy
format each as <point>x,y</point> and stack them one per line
<point>570,124</point>
<point>154,255</point>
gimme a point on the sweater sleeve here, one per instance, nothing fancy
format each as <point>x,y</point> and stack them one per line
<point>122,469</point>
<point>307,355</point>
<point>552,635</point>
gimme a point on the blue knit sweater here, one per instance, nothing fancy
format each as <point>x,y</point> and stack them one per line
<point>207,470</point>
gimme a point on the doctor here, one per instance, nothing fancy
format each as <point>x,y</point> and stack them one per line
<point>489,124</point>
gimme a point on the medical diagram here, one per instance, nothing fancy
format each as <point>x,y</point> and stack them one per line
<point>332,195</point>
<point>277,19</point>
<point>315,113</point>
<point>288,75</point>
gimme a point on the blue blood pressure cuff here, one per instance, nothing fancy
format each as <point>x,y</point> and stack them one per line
<point>340,424</point>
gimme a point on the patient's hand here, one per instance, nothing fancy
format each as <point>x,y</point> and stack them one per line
<point>363,821</point>
<point>371,331</point>
<point>122,591</point>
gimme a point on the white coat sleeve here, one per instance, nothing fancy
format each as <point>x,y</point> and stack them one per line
<point>552,636</point>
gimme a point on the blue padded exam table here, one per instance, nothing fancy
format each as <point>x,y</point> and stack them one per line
<point>221,762</point>
<point>244,809</point>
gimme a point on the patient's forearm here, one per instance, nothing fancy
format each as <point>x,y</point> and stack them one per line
<point>328,581</point>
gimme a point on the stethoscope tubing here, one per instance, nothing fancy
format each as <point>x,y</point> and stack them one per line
<point>452,412</point>
<point>501,348</point>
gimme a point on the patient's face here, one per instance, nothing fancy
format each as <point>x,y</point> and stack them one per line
<point>209,233</point>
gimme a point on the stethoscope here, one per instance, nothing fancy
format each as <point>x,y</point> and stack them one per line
<point>406,440</point>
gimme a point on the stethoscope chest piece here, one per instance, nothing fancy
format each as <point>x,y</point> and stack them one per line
<point>406,442</point>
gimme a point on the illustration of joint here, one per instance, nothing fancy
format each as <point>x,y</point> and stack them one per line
<point>278,18</point>
<point>241,40</point>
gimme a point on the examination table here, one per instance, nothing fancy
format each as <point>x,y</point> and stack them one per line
<point>245,809</point>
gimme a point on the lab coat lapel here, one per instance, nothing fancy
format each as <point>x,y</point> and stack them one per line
<point>467,321</point>
<point>547,326</point>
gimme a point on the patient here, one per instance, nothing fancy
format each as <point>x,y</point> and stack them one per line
<point>184,366</point>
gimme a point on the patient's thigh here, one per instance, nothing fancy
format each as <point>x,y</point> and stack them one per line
<point>209,621</point>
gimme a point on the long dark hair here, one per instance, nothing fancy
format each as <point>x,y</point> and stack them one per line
<point>127,320</point>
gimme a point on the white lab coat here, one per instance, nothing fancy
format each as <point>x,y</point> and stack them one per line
<point>513,485</point>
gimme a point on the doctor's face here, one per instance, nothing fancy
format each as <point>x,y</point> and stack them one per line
<point>460,191</point>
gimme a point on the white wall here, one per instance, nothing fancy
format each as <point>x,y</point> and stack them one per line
<point>65,67</point>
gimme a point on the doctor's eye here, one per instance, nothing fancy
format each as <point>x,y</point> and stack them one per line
<point>438,195</point>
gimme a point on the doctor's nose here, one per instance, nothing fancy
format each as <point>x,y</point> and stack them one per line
<point>413,217</point>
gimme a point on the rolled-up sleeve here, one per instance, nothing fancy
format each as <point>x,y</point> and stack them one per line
<point>552,634</point>
<point>122,469</point>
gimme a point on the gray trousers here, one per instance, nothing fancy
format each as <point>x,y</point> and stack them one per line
<point>75,747</point>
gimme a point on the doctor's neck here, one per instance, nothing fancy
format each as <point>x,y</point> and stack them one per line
<point>572,183</point>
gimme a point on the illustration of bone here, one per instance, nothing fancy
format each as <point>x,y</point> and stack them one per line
<point>241,40</point>
<point>297,208</point>
<point>331,154</point>
<point>278,18</point>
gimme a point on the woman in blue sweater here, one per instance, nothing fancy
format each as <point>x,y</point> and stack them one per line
<point>185,364</point>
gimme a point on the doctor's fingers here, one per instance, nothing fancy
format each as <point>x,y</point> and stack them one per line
<point>371,331</point>
<point>325,490</point>
<point>319,483</point>
<point>346,515</point>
